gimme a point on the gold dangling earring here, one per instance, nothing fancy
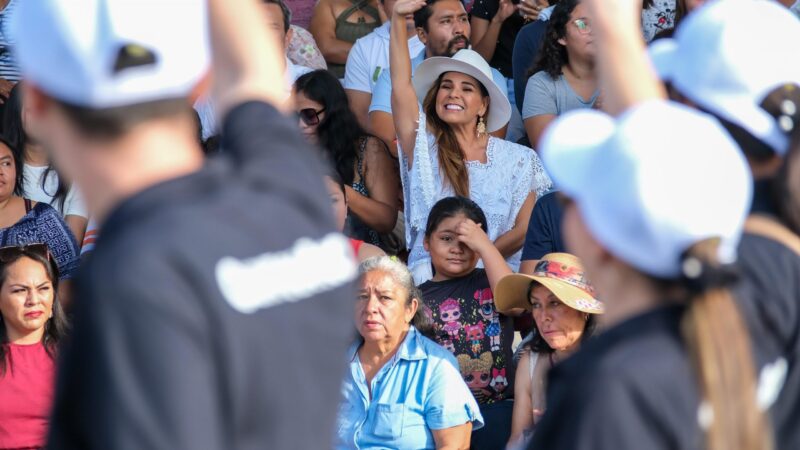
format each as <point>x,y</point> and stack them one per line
<point>481,126</point>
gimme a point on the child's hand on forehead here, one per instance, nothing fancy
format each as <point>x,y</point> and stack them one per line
<point>473,236</point>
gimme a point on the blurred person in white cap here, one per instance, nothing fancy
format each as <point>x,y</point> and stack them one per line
<point>193,328</point>
<point>445,148</point>
<point>739,71</point>
<point>717,62</point>
<point>673,367</point>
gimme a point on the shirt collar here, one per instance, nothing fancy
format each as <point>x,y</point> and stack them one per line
<point>411,349</point>
<point>383,30</point>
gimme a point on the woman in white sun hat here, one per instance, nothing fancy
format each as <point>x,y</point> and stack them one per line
<point>446,149</point>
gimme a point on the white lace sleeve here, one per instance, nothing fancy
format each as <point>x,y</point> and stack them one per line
<point>541,183</point>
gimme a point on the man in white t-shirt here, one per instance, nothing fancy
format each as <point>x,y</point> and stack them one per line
<point>368,58</point>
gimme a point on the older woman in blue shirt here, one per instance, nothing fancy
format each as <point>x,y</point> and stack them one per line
<point>403,391</point>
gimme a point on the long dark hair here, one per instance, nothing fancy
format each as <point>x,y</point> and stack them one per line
<point>452,206</point>
<point>451,157</point>
<point>56,327</point>
<point>538,344</point>
<point>552,56</point>
<point>14,130</point>
<point>339,131</point>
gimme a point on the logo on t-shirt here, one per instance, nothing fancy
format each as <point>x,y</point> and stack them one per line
<point>307,268</point>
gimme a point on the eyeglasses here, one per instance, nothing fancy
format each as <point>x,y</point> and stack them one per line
<point>583,25</point>
<point>310,116</point>
<point>11,252</point>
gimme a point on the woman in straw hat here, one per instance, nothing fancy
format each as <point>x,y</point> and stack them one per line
<point>563,307</point>
<point>446,149</point>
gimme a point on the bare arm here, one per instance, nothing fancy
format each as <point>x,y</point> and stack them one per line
<point>522,416</point>
<point>379,210</point>
<point>359,104</point>
<point>535,126</point>
<point>485,32</point>
<point>247,63</point>
<point>453,438</point>
<point>527,266</point>
<point>381,124</point>
<point>625,73</point>
<point>77,224</point>
<point>405,106</point>
<point>323,28</point>
<point>510,242</point>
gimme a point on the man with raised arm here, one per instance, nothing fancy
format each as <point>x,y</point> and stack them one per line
<point>216,307</point>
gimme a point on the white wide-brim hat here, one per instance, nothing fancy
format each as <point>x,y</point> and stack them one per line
<point>468,62</point>
<point>727,56</point>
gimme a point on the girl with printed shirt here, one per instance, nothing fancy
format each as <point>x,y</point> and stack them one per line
<point>461,304</point>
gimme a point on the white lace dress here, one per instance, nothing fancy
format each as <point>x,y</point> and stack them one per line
<point>499,186</point>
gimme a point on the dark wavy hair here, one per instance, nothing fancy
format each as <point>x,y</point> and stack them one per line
<point>538,344</point>
<point>55,328</point>
<point>339,131</point>
<point>14,131</point>
<point>452,206</point>
<point>552,55</point>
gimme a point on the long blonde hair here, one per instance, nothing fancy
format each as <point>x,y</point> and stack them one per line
<point>719,344</point>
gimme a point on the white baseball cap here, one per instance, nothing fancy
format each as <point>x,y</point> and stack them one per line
<point>107,53</point>
<point>471,63</point>
<point>728,55</point>
<point>651,183</point>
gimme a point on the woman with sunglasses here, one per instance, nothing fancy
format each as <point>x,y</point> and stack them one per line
<point>32,324</point>
<point>362,161</point>
<point>564,76</point>
<point>23,221</point>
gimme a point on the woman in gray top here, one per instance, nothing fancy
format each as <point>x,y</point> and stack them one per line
<point>564,76</point>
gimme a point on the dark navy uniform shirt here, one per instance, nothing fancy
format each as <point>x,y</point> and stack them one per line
<point>216,309</point>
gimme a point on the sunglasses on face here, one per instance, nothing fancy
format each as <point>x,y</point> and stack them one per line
<point>583,26</point>
<point>310,116</point>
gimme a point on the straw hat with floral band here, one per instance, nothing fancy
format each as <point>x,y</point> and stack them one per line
<point>468,62</point>
<point>561,273</point>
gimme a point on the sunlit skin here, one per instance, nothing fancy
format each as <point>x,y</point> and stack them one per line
<point>381,314</point>
<point>448,29</point>
<point>26,301</point>
<point>460,100</point>
<point>559,325</point>
<point>302,102</point>
<point>8,172</point>
<point>579,45</point>
<point>338,202</point>
<point>273,16</point>
<point>451,257</point>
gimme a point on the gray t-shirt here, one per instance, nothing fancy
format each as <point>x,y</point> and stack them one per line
<point>545,95</point>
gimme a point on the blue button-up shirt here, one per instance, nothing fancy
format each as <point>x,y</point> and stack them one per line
<point>420,389</point>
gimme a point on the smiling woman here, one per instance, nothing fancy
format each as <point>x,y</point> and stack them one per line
<point>445,147</point>
<point>32,324</point>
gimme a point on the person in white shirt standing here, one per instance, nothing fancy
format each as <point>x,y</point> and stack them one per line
<point>369,58</point>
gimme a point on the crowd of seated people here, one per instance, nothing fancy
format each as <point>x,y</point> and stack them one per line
<point>568,236</point>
